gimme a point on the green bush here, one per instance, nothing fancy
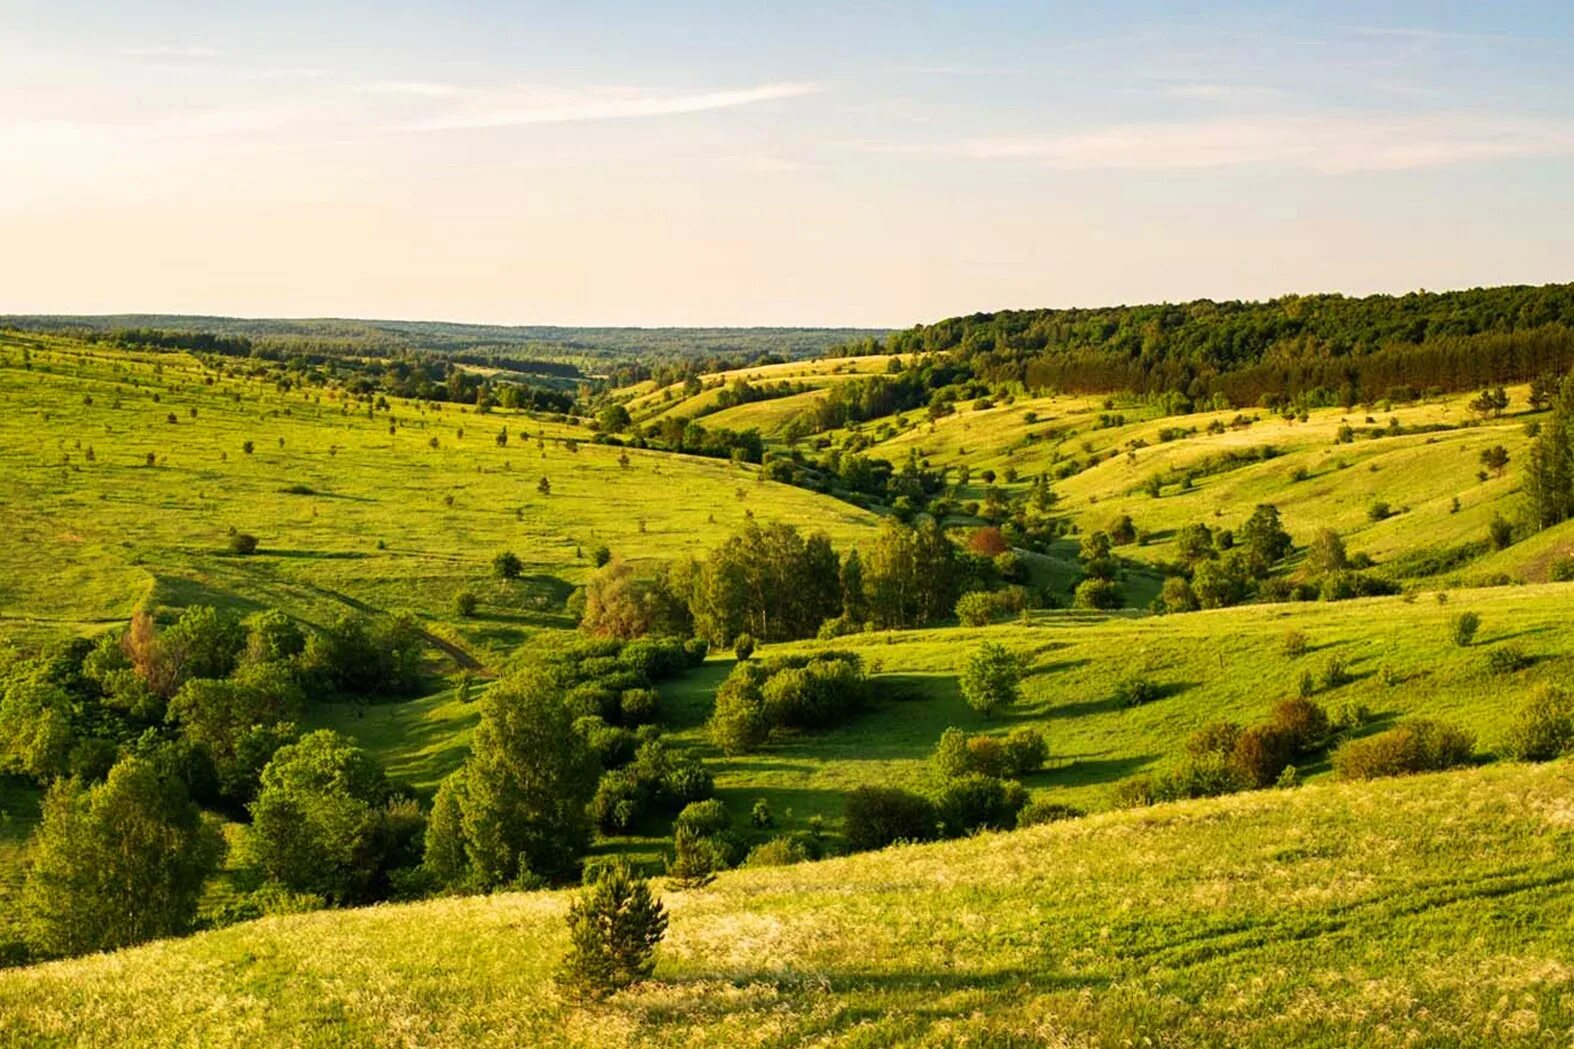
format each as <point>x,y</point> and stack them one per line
<point>1419,745</point>
<point>1507,659</point>
<point>639,706</point>
<point>743,646</point>
<point>1026,751</point>
<point>975,608</point>
<point>465,603</point>
<point>991,678</point>
<point>507,565</point>
<point>1134,690</point>
<point>1216,738</point>
<point>1097,594</point>
<point>976,802</point>
<point>615,925</point>
<point>1295,644</point>
<point>1543,728</point>
<point>242,544</point>
<point>1562,570</point>
<point>613,745</point>
<point>1036,812</point>
<point>704,817</point>
<point>1463,628</point>
<point>695,859</point>
<point>784,850</point>
<point>1303,721</point>
<point>881,816</point>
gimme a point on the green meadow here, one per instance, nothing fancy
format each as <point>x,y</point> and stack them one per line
<point>1427,911</point>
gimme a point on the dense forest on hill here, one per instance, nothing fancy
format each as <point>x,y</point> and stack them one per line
<point>1289,346</point>
<point>480,344</point>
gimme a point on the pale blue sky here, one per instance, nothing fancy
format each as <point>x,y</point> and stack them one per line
<point>734,163</point>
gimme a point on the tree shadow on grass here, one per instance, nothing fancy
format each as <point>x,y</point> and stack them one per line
<point>1080,770</point>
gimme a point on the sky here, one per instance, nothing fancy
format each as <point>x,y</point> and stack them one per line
<point>798,163</point>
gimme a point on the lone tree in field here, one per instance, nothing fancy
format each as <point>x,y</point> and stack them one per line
<point>544,486</point>
<point>1495,459</point>
<point>991,679</point>
<point>507,565</point>
<point>614,927</point>
<point>119,863</point>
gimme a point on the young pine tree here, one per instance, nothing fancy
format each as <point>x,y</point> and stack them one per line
<point>614,927</point>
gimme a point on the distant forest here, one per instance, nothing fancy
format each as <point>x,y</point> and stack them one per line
<point>531,349</point>
<point>1329,347</point>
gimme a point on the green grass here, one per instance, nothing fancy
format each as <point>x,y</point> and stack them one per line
<point>1431,911</point>
<point>349,515</point>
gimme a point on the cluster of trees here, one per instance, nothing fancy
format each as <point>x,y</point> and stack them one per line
<point>1549,469</point>
<point>566,744</point>
<point>1351,349</point>
<point>139,732</point>
<point>761,697</point>
<point>774,583</point>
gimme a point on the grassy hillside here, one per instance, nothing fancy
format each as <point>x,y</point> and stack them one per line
<point>1227,664</point>
<point>1433,911</point>
<point>352,509</point>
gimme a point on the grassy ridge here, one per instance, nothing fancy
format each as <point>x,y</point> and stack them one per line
<point>351,511</point>
<point>1433,911</point>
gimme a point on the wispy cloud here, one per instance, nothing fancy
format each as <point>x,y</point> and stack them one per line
<point>1218,92</point>
<point>169,51</point>
<point>1333,143</point>
<point>497,109</point>
<point>420,88</point>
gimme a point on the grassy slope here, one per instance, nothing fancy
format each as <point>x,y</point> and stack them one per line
<point>1434,911</point>
<point>1227,664</point>
<point>85,541</point>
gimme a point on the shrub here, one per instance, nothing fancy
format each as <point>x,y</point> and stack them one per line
<point>991,678</point>
<point>975,609</point>
<point>614,926</point>
<point>1335,673</point>
<point>704,817</point>
<point>1177,595</point>
<point>743,646</point>
<point>619,799</point>
<point>695,649</point>
<point>1500,532</point>
<point>1218,738</point>
<point>1543,728</point>
<point>1134,690</point>
<point>1026,751</point>
<point>1263,752</point>
<point>1303,721</point>
<point>1562,570</point>
<point>465,603</point>
<point>824,690</point>
<point>760,815</point>
<point>612,745</point>
<point>738,723</point>
<point>1463,628</point>
<point>1507,659</point>
<point>600,555</point>
<point>243,544</point>
<point>1413,746</point>
<point>1295,644</point>
<point>507,565</point>
<point>656,658</point>
<point>1097,594</point>
<point>881,816</point>
<point>1036,812</point>
<point>1200,777</point>
<point>639,706</point>
<point>695,858</point>
<point>784,850</point>
<point>952,757</point>
<point>976,802</point>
